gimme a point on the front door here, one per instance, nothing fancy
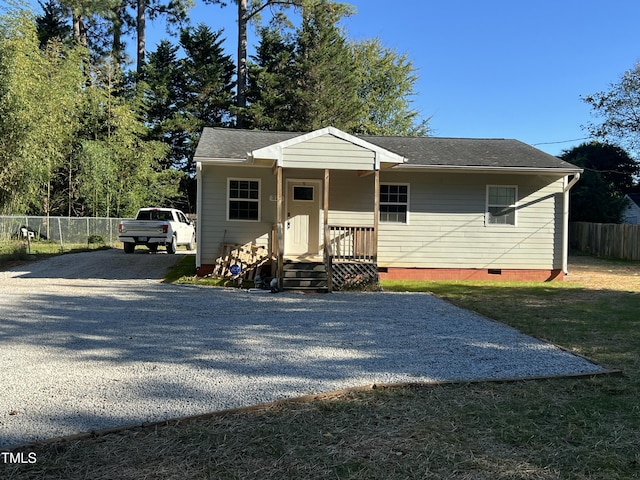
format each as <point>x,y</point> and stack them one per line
<point>302,226</point>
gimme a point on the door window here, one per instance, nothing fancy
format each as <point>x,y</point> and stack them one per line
<point>302,193</point>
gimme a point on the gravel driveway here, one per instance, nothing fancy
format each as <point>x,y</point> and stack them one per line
<point>93,340</point>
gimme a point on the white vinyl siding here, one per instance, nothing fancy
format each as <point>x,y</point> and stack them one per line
<point>446,211</point>
<point>330,152</point>
<point>351,199</point>
<point>215,229</point>
<point>448,224</point>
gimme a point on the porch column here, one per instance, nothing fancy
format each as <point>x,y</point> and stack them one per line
<point>326,233</point>
<point>326,198</point>
<point>376,213</point>
<point>280,227</point>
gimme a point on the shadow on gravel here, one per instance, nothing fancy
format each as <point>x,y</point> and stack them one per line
<point>143,351</point>
<point>110,264</point>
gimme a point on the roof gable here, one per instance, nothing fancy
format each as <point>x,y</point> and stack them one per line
<point>277,152</point>
<point>635,198</point>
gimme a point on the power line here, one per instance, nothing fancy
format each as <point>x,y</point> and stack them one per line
<point>563,141</point>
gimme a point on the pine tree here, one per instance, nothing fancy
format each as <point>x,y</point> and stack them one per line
<point>207,77</point>
<point>271,90</point>
<point>161,82</point>
<point>326,75</point>
<point>52,24</point>
<point>175,12</point>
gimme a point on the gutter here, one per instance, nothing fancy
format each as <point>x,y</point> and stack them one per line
<point>565,220</point>
<point>211,160</point>
<point>488,169</point>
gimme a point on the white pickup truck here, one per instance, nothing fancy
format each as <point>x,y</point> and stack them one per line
<point>157,226</point>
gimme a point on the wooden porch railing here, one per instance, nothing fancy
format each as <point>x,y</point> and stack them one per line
<point>349,243</point>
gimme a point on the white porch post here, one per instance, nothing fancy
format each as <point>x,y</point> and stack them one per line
<point>326,198</point>
<point>376,214</point>
<point>280,227</point>
<point>326,233</point>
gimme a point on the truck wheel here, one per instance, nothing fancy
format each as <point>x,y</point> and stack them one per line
<point>192,244</point>
<point>171,247</point>
<point>129,247</point>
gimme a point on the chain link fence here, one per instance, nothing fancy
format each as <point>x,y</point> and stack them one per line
<point>65,231</point>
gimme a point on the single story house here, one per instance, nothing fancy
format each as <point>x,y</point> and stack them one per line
<point>631,213</point>
<point>413,207</point>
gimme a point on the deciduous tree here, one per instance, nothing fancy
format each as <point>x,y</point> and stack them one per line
<point>115,155</point>
<point>618,112</point>
<point>39,96</point>
<point>387,82</point>
<point>609,173</point>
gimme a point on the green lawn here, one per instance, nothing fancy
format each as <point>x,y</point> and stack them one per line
<point>563,428</point>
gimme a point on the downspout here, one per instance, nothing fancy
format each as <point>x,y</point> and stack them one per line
<point>199,214</point>
<point>565,220</point>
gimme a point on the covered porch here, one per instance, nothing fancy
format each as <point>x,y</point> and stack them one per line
<point>307,247</point>
<point>317,220</point>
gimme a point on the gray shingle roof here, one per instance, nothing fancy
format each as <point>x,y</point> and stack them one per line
<point>635,198</point>
<point>226,143</point>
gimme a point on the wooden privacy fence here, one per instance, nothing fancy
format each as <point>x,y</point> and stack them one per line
<point>606,239</point>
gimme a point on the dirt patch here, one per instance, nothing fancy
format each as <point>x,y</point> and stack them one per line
<point>602,274</point>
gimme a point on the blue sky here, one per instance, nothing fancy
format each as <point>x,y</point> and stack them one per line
<point>496,68</point>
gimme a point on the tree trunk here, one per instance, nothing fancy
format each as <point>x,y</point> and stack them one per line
<point>117,49</point>
<point>79,29</point>
<point>141,22</point>
<point>241,100</point>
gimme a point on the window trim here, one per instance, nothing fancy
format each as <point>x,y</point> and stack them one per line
<point>487,223</point>
<point>240,179</point>
<point>407,204</point>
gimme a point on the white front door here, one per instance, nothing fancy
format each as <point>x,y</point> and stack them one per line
<point>302,226</point>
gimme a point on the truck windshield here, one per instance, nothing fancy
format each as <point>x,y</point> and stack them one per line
<point>154,215</point>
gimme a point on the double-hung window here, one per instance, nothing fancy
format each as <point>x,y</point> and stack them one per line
<point>243,199</point>
<point>501,205</point>
<point>394,202</point>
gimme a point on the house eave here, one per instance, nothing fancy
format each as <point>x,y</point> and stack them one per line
<point>488,169</point>
<point>222,161</point>
<point>559,171</point>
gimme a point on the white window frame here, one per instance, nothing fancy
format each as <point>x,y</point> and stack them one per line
<point>487,223</point>
<point>229,199</point>
<point>407,204</point>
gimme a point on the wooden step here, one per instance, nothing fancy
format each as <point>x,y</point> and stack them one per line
<point>306,276</point>
<point>306,266</point>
